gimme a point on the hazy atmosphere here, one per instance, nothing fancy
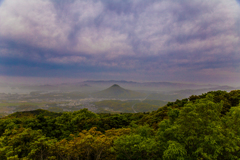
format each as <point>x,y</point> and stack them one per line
<point>120,79</point>
<point>50,41</point>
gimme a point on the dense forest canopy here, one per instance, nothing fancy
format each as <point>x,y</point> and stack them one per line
<point>199,127</point>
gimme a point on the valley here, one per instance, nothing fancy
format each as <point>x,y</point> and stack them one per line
<point>98,96</point>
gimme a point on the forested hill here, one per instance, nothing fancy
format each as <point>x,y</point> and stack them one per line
<point>199,127</point>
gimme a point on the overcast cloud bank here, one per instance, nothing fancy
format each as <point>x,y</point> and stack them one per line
<point>188,40</point>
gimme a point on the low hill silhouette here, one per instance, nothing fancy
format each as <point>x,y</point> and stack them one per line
<point>115,91</point>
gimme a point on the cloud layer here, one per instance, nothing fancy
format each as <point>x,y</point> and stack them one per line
<point>158,40</point>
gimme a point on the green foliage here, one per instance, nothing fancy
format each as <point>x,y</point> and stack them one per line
<point>24,143</point>
<point>197,132</point>
<point>139,145</point>
<point>33,114</point>
<point>174,151</point>
<point>231,132</point>
<point>200,127</point>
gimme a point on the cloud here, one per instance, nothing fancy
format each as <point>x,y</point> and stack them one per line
<point>66,60</point>
<point>132,36</point>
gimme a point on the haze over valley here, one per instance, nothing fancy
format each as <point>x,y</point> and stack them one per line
<point>98,96</point>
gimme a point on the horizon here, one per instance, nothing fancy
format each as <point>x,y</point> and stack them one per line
<point>59,81</point>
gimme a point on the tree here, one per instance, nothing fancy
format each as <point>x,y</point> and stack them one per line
<point>138,145</point>
<point>195,133</point>
<point>24,143</point>
<point>91,144</point>
<point>231,132</point>
<point>41,147</point>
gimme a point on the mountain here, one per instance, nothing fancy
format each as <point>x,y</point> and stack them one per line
<point>115,91</point>
<point>149,86</point>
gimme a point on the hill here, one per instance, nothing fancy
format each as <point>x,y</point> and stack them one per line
<point>199,127</point>
<point>117,92</point>
<point>32,113</point>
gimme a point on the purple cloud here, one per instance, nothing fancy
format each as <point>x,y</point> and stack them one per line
<point>163,39</point>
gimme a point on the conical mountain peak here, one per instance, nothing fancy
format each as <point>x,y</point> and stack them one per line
<point>115,85</point>
<point>115,91</point>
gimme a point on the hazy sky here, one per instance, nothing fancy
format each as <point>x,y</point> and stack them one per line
<point>140,40</point>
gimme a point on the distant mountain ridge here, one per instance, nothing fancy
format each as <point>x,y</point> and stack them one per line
<point>154,86</point>
<point>115,91</point>
<point>92,86</point>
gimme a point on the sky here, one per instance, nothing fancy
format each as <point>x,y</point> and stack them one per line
<point>191,41</point>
